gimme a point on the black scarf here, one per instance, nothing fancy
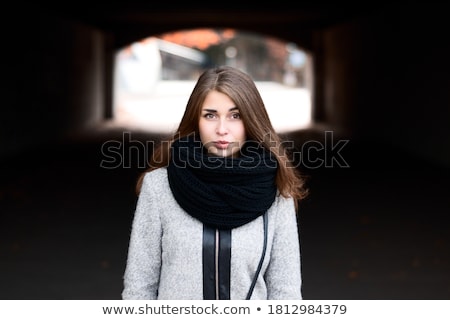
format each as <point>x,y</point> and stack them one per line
<point>222,192</point>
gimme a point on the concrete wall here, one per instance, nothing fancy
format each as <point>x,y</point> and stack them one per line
<point>54,81</point>
<point>386,79</point>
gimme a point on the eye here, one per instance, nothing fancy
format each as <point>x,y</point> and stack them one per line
<point>235,115</point>
<point>209,115</point>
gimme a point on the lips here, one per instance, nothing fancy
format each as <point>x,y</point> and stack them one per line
<point>221,144</point>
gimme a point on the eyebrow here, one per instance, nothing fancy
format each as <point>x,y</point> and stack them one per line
<point>213,110</point>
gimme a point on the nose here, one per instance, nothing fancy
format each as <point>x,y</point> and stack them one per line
<point>221,128</point>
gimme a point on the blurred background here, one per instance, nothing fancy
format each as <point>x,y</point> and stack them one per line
<point>360,95</point>
<point>161,71</point>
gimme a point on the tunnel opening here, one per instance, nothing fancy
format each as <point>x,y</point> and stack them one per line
<point>153,77</point>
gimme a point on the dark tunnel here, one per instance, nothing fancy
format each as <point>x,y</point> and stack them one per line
<point>375,224</point>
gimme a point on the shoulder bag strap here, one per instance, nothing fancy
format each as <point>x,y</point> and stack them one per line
<point>258,270</point>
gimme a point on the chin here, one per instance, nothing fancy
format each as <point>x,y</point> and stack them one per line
<point>219,152</point>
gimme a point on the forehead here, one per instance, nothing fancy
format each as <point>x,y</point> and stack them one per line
<point>218,101</point>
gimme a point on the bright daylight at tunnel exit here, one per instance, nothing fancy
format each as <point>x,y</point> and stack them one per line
<point>154,77</point>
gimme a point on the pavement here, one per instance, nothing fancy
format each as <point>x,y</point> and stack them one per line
<point>375,229</point>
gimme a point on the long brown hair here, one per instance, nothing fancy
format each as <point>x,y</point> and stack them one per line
<point>241,89</point>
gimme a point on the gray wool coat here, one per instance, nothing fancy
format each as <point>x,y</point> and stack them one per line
<point>165,250</point>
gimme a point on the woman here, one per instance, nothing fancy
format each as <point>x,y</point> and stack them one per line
<point>216,213</point>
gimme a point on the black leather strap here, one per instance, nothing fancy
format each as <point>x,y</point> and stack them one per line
<point>209,292</point>
<point>224,264</point>
<point>216,263</point>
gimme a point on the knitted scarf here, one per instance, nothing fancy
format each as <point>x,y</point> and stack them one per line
<point>222,192</point>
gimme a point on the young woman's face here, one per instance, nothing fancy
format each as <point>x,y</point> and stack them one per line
<point>221,127</point>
